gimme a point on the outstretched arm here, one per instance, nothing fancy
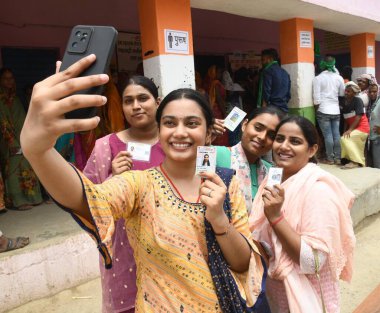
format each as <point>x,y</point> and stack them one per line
<point>45,122</point>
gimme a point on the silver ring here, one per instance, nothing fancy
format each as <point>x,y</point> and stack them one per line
<point>209,194</point>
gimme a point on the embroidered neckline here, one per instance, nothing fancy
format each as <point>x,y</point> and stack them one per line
<point>164,181</point>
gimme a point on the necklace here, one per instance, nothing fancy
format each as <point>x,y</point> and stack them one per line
<point>172,184</point>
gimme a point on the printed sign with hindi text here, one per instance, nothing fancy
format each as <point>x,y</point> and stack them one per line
<point>305,39</point>
<point>176,41</point>
<point>128,52</point>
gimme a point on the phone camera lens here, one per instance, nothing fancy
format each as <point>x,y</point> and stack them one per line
<point>85,35</point>
<point>83,39</point>
<point>75,44</point>
<point>78,34</point>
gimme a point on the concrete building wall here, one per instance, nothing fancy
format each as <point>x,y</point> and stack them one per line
<point>214,32</point>
<point>368,9</point>
<point>26,25</point>
<point>219,33</point>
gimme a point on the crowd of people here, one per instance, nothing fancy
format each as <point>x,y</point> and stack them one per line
<point>348,116</point>
<point>171,240</point>
<point>246,89</point>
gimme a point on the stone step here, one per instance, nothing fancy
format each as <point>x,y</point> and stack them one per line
<point>366,265</point>
<point>60,256</point>
<point>371,304</point>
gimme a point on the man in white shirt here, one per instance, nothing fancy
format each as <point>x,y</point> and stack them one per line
<point>327,86</point>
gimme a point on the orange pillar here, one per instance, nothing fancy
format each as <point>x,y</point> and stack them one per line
<point>167,43</point>
<point>362,48</point>
<point>297,58</point>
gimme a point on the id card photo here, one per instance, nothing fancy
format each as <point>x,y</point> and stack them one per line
<point>206,159</point>
<point>274,176</point>
<point>234,118</point>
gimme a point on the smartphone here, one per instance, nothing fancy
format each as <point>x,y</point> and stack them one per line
<point>85,40</point>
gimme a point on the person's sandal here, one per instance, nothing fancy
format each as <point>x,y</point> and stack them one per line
<point>350,165</point>
<point>337,162</point>
<point>328,162</point>
<point>17,243</point>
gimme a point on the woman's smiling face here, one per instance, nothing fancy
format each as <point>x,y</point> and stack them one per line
<point>258,134</point>
<point>139,106</point>
<point>291,151</point>
<point>182,129</point>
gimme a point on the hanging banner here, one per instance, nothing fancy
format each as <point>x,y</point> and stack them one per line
<point>247,60</point>
<point>128,52</point>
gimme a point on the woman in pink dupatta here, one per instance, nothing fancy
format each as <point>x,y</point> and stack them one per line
<point>303,220</point>
<point>110,157</point>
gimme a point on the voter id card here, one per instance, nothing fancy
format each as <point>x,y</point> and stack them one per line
<point>206,159</point>
<point>234,118</point>
<point>139,151</point>
<point>274,176</point>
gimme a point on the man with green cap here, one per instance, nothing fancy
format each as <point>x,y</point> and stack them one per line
<point>327,87</point>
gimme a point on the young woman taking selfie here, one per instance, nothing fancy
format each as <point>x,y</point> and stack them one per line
<point>169,211</point>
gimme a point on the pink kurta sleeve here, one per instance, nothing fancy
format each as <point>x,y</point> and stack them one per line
<point>307,260</point>
<point>99,164</point>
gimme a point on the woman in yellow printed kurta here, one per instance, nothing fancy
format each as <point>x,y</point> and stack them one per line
<point>168,239</point>
<point>165,208</point>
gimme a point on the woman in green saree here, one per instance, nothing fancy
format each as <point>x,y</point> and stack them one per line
<point>22,188</point>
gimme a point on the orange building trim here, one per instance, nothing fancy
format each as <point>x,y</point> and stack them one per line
<point>359,50</point>
<point>156,16</point>
<point>290,49</point>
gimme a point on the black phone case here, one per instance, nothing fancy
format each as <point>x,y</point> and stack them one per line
<point>85,40</point>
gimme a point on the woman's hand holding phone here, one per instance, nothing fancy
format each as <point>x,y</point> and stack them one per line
<point>51,99</point>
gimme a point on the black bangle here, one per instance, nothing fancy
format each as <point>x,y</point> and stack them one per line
<point>225,233</point>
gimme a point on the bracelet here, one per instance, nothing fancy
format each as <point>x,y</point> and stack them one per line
<point>225,233</point>
<point>278,220</point>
